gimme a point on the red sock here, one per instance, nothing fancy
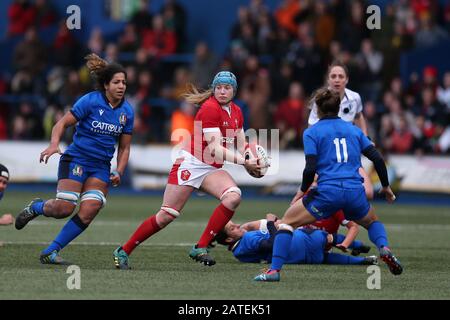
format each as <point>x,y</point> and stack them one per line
<point>216,222</point>
<point>142,233</point>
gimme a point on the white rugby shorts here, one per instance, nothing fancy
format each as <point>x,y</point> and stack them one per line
<point>189,171</point>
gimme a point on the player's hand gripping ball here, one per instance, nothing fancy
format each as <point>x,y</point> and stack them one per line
<point>255,151</point>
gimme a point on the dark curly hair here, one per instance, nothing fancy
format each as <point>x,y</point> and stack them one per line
<point>102,71</point>
<point>328,102</point>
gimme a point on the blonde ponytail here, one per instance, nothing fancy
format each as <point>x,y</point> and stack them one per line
<point>194,96</point>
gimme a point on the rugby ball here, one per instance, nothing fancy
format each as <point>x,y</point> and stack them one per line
<point>255,151</point>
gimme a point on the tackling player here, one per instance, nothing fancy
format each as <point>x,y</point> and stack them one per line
<point>308,246</point>
<point>102,118</point>
<point>329,225</point>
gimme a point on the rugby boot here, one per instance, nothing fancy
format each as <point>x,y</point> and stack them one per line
<point>201,255</point>
<point>26,215</point>
<point>53,258</point>
<point>268,276</point>
<point>392,262</point>
<point>121,259</point>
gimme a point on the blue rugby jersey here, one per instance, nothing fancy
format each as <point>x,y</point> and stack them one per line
<point>307,246</point>
<point>247,249</point>
<point>338,145</point>
<point>99,126</point>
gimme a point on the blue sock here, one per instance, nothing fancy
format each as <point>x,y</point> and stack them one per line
<point>72,229</point>
<point>38,207</point>
<point>336,258</point>
<point>377,234</point>
<point>281,246</point>
<point>338,238</point>
<point>356,244</point>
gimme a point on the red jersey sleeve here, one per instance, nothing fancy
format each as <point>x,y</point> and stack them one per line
<point>241,118</point>
<point>340,218</point>
<point>209,116</point>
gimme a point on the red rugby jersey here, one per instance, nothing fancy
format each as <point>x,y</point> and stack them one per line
<point>209,118</point>
<point>331,224</point>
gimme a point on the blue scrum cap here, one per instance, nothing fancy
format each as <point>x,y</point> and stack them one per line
<point>226,77</point>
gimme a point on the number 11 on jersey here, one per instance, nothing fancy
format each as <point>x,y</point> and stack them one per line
<point>338,149</point>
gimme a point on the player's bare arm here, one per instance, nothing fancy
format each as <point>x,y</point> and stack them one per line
<point>66,121</point>
<point>352,232</point>
<point>214,140</point>
<point>123,154</point>
<point>360,121</point>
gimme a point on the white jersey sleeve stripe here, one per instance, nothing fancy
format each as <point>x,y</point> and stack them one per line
<point>208,130</point>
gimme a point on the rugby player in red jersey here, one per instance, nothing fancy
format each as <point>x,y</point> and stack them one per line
<point>218,129</point>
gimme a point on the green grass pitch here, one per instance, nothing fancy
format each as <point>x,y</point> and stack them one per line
<point>419,236</point>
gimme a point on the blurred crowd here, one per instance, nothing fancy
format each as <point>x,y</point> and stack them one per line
<point>279,57</point>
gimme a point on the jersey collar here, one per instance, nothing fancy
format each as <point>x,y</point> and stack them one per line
<point>329,117</point>
<point>109,104</point>
<point>345,96</point>
<point>235,245</point>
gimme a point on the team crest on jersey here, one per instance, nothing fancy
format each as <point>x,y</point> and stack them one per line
<point>316,211</point>
<point>77,170</point>
<point>185,174</point>
<point>123,119</point>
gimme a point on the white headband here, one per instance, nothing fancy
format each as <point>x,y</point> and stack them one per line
<point>4,174</point>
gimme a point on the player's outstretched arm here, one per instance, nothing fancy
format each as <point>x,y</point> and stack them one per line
<point>251,225</point>
<point>352,232</point>
<point>123,154</point>
<point>58,129</point>
<point>308,177</point>
<point>360,121</point>
<point>390,196</point>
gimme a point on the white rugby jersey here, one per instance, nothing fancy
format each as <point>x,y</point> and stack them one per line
<point>351,104</point>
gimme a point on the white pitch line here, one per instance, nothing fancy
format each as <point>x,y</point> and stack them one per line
<point>417,227</point>
<point>181,244</point>
<point>117,223</point>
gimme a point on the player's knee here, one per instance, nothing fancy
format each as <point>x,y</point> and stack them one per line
<point>99,199</point>
<point>231,198</point>
<point>166,215</point>
<point>368,220</point>
<point>62,209</point>
<point>65,203</point>
<point>285,227</point>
